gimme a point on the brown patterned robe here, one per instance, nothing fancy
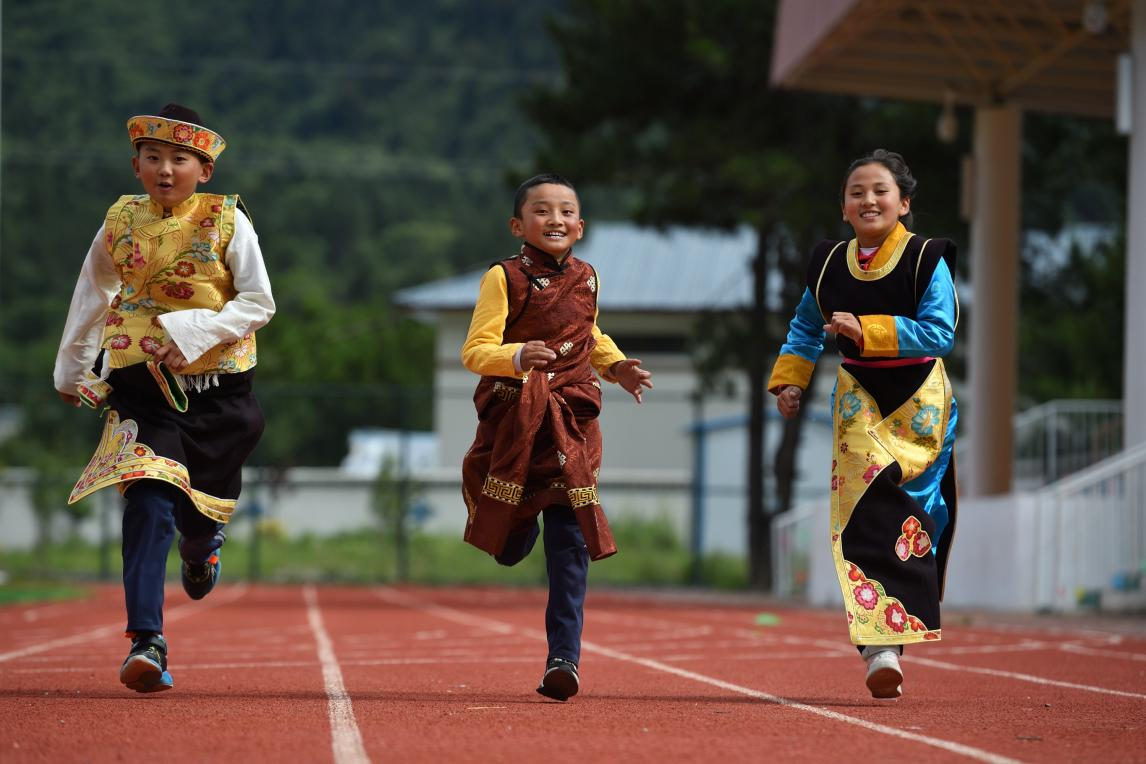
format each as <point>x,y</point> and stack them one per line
<point>538,442</point>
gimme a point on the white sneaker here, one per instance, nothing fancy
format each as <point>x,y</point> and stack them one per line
<point>884,676</point>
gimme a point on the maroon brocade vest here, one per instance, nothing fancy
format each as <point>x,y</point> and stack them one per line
<point>538,442</point>
<point>555,303</point>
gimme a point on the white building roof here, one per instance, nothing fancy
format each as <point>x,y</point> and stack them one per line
<point>674,270</point>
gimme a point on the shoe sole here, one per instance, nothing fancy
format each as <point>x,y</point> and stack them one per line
<point>885,683</point>
<point>558,685</point>
<point>195,594</point>
<point>143,675</point>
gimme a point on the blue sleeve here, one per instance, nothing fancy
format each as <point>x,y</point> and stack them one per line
<point>806,330</point>
<point>932,333</point>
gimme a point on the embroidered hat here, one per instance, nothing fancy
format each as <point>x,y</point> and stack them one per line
<point>179,126</point>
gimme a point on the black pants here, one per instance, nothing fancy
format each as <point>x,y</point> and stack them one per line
<point>154,511</point>
<point>567,566</point>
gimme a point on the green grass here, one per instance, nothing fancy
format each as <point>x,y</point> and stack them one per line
<point>650,555</point>
<point>22,593</point>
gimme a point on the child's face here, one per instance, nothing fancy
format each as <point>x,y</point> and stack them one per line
<point>872,203</point>
<point>550,219</point>
<point>170,174</point>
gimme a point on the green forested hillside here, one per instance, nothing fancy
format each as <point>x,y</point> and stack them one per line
<point>375,145</point>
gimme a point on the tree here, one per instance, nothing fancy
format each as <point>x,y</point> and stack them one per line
<point>670,102</point>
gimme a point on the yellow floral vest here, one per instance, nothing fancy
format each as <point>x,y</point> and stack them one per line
<point>170,264</point>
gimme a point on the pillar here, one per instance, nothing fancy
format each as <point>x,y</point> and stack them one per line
<point>992,360</point>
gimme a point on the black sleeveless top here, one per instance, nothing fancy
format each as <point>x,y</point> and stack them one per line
<point>893,289</point>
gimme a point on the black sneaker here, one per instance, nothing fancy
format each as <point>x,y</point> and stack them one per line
<point>199,578</point>
<point>145,669</point>
<point>560,680</point>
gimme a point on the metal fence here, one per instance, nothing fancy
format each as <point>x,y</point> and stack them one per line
<point>1061,437</point>
<point>1090,536</point>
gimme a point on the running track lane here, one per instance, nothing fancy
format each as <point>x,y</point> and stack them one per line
<point>448,674</point>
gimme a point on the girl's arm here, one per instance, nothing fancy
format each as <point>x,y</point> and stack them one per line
<point>930,333</point>
<point>800,352</point>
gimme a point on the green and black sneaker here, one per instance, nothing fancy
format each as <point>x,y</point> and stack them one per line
<point>145,669</point>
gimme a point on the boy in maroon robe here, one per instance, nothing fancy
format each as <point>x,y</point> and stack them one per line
<point>534,340</point>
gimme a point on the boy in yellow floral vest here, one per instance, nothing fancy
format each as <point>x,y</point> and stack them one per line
<point>161,328</point>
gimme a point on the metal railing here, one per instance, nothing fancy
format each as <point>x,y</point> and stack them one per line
<point>791,548</point>
<point>1061,437</point>
<point>1090,533</point>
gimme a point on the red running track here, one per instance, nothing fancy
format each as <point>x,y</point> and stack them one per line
<point>352,675</point>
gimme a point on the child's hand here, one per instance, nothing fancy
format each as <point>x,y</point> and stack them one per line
<point>788,401</point>
<point>72,400</point>
<point>631,376</point>
<point>847,325</point>
<point>171,355</point>
<point>534,355</point>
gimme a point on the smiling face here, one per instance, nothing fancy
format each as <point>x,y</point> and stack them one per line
<point>873,204</point>
<point>170,174</point>
<point>550,219</point>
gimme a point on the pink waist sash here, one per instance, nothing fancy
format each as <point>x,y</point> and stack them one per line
<point>884,363</point>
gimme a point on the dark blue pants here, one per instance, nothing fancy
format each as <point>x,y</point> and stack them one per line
<point>154,511</point>
<point>567,566</point>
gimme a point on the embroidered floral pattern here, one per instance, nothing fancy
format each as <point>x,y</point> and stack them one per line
<point>149,344</point>
<point>120,457</point>
<point>913,541</point>
<point>565,348</point>
<point>170,264</point>
<point>870,473</point>
<point>179,291</point>
<point>879,613</point>
<point>850,405</point>
<point>592,283</point>
<point>895,617</point>
<point>866,595</point>
<point>923,423</point>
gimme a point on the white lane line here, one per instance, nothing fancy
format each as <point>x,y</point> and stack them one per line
<point>224,597</point>
<point>458,616</point>
<point>913,657</point>
<point>1022,677</point>
<point>345,739</point>
<point>1071,648</point>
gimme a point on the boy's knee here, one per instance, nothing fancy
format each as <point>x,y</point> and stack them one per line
<point>518,545</point>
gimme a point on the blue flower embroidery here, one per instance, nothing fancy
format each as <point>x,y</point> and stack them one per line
<point>201,251</point>
<point>849,405</point>
<point>924,422</point>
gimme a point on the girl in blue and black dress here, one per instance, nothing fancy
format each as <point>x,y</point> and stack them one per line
<point>889,297</point>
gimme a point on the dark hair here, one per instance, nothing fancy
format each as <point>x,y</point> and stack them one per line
<point>180,112</point>
<point>538,180</point>
<point>898,168</point>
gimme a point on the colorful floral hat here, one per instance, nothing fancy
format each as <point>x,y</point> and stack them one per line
<point>178,126</point>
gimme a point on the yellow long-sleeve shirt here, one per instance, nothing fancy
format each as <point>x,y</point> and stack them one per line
<point>483,352</point>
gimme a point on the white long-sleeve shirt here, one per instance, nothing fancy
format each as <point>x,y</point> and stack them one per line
<point>194,331</point>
